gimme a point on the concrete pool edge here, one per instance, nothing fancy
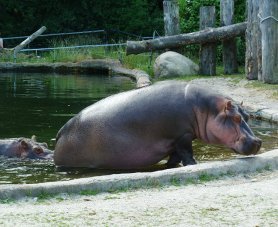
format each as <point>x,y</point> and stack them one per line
<point>106,66</point>
<point>114,182</point>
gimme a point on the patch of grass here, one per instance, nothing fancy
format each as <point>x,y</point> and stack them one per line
<point>175,181</point>
<point>268,167</point>
<point>89,192</point>
<point>44,196</point>
<point>205,177</point>
<point>6,201</point>
<point>191,181</point>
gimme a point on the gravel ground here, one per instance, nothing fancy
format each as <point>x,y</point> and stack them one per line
<point>243,90</point>
<point>242,200</point>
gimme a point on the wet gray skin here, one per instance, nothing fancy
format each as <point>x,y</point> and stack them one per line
<point>139,128</point>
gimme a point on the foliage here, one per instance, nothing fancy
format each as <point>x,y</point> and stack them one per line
<point>189,22</point>
<point>140,17</point>
<point>24,17</point>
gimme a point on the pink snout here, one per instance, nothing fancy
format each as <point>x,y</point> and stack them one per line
<point>248,145</point>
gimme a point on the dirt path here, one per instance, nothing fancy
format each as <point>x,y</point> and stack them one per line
<point>243,90</point>
<point>246,200</point>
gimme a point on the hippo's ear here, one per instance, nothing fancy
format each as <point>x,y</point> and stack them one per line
<point>24,144</point>
<point>228,105</point>
<point>34,138</point>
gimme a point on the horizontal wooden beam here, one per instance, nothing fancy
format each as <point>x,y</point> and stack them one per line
<point>200,37</point>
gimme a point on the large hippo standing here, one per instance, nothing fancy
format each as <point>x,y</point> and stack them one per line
<point>141,127</point>
<point>24,148</point>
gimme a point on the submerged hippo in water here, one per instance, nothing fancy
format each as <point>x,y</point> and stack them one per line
<point>24,148</point>
<point>138,128</point>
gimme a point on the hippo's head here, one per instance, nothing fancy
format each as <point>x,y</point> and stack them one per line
<point>229,127</point>
<point>30,148</point>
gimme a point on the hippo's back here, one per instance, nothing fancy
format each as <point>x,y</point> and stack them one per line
<point>129,129</point>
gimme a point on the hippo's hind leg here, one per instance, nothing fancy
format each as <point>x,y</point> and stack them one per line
<point>174,160</point>
<point>183,153</point>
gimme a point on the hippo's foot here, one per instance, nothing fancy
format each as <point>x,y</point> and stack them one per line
<point>172,165</point>
<point>176,158</point>
<point>188,162</point>
<point>174,161</point>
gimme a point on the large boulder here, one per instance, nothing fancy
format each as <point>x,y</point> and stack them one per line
<point>172,64</point>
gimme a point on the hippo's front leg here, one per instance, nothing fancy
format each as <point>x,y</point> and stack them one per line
<point>183,152</point>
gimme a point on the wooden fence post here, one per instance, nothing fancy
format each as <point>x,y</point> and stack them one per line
<point>229,45</point>
<point>253,41</point>
<point>207,51</point>
<point>269,29</point>
<point>171,17</point>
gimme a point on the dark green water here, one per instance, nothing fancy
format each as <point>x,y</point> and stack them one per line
<point>39,104</point>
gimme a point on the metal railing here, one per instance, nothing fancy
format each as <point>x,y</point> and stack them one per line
<point>103,42</point>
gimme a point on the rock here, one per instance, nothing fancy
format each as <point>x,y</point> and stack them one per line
<point>172,64</point>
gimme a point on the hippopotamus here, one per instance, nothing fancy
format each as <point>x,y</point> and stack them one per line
<point>139,128</point>
<point>24,148</point>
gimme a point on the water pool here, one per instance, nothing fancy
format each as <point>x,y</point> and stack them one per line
<point>39,104</point>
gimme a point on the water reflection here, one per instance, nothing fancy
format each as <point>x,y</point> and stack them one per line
<point>40,104</point>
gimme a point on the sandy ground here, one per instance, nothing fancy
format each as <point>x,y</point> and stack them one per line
<point>244,200</point>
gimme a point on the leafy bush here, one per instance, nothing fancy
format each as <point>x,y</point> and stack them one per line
<point>189,22</point>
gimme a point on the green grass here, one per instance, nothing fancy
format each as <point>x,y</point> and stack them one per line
<point>6,201</point>
<point>44,196</point>
<point>89,192</point>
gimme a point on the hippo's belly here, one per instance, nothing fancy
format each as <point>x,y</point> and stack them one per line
<point>132,156</point>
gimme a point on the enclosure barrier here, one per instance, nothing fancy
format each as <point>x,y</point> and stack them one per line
<point>105,43</point>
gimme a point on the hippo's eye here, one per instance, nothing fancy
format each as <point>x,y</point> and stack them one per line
<point>38,150</point>
<point>237,118</point>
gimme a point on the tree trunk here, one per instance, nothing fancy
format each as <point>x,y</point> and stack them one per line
<point>207,50</point>
<point>229,45</point>
<point>253,41</point>
<point>205,36</point>
<point>269,29</point>
<point>171,17</point>
<point>28,40</point>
